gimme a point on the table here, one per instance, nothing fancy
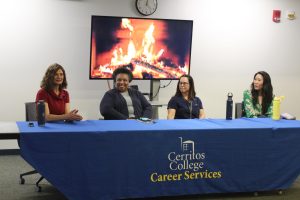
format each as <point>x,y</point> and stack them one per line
<point>132,159</point>
<point>9,130</point>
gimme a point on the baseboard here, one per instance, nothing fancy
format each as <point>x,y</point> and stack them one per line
<point>5,152</point>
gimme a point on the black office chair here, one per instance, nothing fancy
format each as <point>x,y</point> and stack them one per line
<point>30,111</point>
<point>136,87</point>
<point>239,110</point>
<point>154,106</point>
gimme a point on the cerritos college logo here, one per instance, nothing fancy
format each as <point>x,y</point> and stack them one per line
<point>187,158</point>
<point>186,164</point>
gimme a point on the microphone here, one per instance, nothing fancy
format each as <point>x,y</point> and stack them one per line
<point>191,108</point>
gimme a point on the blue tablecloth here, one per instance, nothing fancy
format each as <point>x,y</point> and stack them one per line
<point>130,159</point>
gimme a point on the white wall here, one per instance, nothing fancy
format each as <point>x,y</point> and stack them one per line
<point>232,40</point>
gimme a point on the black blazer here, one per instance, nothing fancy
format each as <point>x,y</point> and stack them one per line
<point>114,106</point>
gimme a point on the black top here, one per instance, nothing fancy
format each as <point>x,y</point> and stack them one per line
<point>114,106</point>
<point>183,107</point>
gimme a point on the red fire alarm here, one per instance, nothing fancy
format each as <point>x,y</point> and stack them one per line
<point>276,15</point>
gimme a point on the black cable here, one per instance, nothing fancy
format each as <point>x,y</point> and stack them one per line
<point>108,84</point>
<point>164,86</point>
<point>156,92</point>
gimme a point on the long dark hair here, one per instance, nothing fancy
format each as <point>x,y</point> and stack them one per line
<point>48,79</point>
<point>192,92</point>
<point>266,91</point>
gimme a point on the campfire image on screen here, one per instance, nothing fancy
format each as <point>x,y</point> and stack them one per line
<point>155,48</point>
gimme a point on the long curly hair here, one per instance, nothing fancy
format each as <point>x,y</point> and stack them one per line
<point>192,92</point>
<point>266,91</point>
<point>48,79</point>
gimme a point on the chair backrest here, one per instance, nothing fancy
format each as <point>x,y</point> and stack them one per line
<point>239,110</point>
<point>30,111</point>
<point>136,87</point>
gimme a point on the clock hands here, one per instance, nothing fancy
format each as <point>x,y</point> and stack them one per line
<point>146,7</point>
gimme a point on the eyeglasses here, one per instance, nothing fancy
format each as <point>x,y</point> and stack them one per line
<point>183,83</point>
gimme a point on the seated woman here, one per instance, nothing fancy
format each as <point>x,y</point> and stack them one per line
<point>258,102</point>
<point>123,102</point>
<point>185,104</point>
<point>57,100</point>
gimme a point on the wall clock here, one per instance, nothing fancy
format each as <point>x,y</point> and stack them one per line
<point>146,7</point>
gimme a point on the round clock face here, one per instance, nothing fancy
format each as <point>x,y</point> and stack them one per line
<point>146,7</point>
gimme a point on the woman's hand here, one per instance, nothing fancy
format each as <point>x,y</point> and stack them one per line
<point>73,115</point>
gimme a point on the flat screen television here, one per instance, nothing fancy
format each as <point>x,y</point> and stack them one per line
<point>155,48</point>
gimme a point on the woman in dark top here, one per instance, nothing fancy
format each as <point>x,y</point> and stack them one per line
<point>185,104</point>
<point>57,100</point>
<point>123,102</point>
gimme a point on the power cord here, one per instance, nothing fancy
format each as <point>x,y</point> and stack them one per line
<point>164,86</point>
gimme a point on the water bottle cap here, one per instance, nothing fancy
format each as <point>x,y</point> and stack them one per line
<point>230,94</point>
<point>279,98</point>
